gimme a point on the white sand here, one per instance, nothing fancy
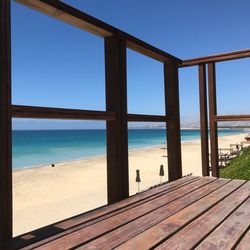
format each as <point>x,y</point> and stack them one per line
<point>45,195</point>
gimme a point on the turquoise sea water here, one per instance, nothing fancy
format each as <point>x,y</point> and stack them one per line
<point>38,147</point>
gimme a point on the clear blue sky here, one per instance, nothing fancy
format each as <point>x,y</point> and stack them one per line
<point>57,65</point>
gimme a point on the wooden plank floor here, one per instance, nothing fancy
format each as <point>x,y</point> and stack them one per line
<point>190,213</point>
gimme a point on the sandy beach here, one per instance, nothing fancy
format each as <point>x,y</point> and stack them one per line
<point>44,195</point>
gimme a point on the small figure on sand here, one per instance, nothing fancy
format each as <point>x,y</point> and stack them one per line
<point>161,173</point>
<point>138,179</point>
<point>53,165</point>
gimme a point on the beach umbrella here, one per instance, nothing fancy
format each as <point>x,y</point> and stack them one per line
<point>161,172</point>
<point>138,179</point>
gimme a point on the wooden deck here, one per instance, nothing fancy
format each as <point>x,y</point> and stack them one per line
<point>192,212</point>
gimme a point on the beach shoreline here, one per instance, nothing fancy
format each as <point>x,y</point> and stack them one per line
<point>104,155</point>
<point>44,195</point>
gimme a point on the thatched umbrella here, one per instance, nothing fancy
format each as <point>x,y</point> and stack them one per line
<point>161,173</point>
<point>138,179</point>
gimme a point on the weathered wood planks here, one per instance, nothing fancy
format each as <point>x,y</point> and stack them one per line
<point>65,227</point>
<point>229,232</point>
<point>88,233</point>
<point>157,234</point>
<point>192,234</point>
<point>244,243</point>
<point>126,232</point>
<point>200,213</point>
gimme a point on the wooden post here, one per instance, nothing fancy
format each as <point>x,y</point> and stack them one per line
<point>212,121</point>
<point>173,123</point>
<point>117,130</point>
<point>5,127</point>
<point>203,120</point>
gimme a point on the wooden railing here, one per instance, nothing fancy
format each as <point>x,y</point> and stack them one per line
<point>209,62</point>
<point>116,43</point>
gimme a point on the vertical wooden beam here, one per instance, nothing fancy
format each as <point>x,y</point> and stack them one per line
<point>173,125</point>
<point>5,127</point>
<point>203,120</point>
<point>117,130</point>
<point>212,122</point>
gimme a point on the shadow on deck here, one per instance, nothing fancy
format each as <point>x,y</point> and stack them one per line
<point>201,212</point>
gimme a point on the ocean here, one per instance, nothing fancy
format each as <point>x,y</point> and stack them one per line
<point>39,147</point>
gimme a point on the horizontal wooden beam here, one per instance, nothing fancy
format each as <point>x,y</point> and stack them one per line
<point>60,113</point>
<point>146,118</point>
<point>217,58</point>
<point>77,18</point>
<point>227,118</point>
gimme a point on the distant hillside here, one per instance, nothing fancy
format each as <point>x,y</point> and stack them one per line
<point>192,125</point>
<point>232,125</point>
